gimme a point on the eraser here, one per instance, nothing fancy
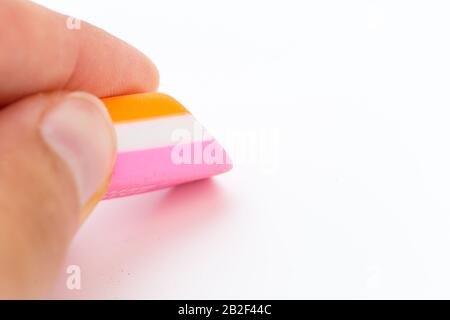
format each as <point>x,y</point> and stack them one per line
<point>159,145</point>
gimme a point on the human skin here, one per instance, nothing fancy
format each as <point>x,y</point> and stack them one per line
<point>56,147</point>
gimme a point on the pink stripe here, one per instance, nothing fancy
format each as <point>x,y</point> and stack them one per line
<point>151,169</point>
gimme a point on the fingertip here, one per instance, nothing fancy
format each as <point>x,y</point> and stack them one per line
<point>153,75</point>
<point>146,75</point>
<point>47,55</point>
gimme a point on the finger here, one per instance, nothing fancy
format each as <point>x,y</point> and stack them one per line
<point>57,155</point>
<point>39,51</point>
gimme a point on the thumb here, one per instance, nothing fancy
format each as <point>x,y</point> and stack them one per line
<point>56,156</point>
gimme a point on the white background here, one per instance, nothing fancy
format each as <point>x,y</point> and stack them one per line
<point>343,191</point>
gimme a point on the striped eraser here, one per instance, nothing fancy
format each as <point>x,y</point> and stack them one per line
<point>159,144</point>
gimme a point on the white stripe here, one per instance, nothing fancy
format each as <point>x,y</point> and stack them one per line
<point>159,132</point>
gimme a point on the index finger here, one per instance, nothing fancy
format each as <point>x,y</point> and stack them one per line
<point>41,50</point>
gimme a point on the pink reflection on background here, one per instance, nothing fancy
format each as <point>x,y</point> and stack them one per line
<point>123,234</point>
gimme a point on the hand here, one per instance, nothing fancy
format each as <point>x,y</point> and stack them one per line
<point>57,146</point>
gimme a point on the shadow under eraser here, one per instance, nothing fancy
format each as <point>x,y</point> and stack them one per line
<point>159,145</point>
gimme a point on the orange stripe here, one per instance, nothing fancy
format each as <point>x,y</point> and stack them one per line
<point>142,106</point>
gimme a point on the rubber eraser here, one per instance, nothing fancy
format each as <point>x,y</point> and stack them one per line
<point>159,145</point>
